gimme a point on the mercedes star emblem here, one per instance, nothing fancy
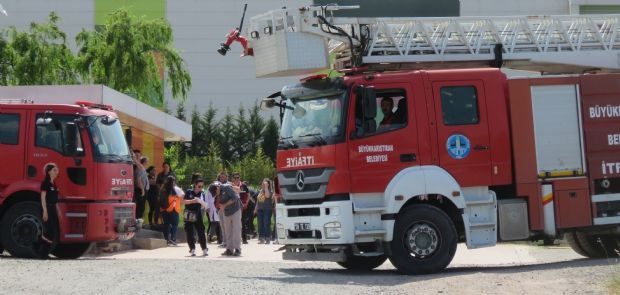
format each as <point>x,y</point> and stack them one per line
<point>300,180</point>
<point>123,172</point>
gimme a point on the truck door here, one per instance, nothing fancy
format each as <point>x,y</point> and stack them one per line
<point>12,143</point>
<point>463,131</point>
<point>389,141</point>
<point>55,140</point>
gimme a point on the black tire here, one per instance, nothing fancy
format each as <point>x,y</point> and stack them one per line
<point>363,262</point>
<point>435,240</point>
<point>571,238</point>
<point>71,251</point>
<point>21,227</point>
<point>598,246</point>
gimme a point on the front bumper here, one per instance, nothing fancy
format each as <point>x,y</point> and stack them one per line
<point>329,223</point>
<point>97,222</point>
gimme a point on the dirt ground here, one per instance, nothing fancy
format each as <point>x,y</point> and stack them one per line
<point>504,269</point>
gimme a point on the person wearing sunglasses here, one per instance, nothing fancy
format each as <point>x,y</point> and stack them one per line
<point>194,200</point>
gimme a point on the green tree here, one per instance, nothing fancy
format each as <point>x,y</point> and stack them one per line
<point>181,111</point>
<point>270,138</point>
<point>240,140</point>
<point>173,154</point>
<point>127,54</point>
<point>206,129</point>
<point>256,128</point>
<point>39,56</point>
<point>254,167</point>
<point>227,138</point>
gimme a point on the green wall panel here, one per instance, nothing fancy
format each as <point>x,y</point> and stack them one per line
<point>150,9</point>
<point>599,9</point>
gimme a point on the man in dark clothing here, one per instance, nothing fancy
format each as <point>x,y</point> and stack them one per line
<point>231,205</point>
<point>244,194</point>
<point>194,200</point>
<point>387,105</point>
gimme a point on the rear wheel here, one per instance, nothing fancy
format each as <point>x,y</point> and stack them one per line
<point>363,262</point>
<point>71,251</point>
<point>594,246</point>
<point>571,238</point>
<point>21,227</point>
<point>424,240</point>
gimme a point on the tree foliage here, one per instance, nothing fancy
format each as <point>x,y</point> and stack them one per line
<point>234,143</point>
<point>39,56</point>
<point>126,53</point>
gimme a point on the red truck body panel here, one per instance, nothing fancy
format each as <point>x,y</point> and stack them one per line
<point>89,207</point>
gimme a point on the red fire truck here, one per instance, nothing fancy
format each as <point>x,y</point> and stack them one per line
<point>87,143</point>
<point>417,147</point>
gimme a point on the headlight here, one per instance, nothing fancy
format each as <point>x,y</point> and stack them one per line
<point>281,231</point>
<point>333,230</point>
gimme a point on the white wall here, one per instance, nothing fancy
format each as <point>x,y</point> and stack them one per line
<point>226,81</point>
<point>74,14</point>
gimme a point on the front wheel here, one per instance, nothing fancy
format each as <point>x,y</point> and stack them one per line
<point>21,227</point>
<point>71,251</point>
<point>424,240</point>
<point>363,262</point>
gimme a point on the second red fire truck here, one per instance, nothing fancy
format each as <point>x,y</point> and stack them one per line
<point>416,148</point>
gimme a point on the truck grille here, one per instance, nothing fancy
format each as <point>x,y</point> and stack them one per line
<point>314,183</point>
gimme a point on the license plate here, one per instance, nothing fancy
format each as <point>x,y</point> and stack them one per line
<point>302,226</point>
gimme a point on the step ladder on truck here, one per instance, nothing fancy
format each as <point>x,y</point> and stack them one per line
<point>423,142</point>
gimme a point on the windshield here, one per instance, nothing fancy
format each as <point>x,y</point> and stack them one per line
<point>107,139</point>
<point>313,122</point>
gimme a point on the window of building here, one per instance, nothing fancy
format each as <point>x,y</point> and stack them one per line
<point>459,105</point>
<point>9,128</point>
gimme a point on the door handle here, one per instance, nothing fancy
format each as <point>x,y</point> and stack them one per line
<point>32,171</point>
<point>407,157</point>
<point>480,147</point>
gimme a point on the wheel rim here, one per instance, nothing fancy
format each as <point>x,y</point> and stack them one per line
<point>422,240</point>
<point>26,229</point>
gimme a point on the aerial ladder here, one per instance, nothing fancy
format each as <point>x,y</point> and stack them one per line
<point>301,41</point>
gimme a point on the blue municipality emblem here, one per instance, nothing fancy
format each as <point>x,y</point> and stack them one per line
<point>458,146</point>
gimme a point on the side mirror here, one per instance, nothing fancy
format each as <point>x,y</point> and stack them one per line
<point>267,103</point>
<point>108,120</point>
<point>368,98</point>
<point>71,139</point>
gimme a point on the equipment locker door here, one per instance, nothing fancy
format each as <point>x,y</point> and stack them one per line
<point>463,131</point>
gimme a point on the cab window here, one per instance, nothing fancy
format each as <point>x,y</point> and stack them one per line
<point>9,129</point>
<point>391,113</point>
<point>56,134</point>
<point>459,105</point>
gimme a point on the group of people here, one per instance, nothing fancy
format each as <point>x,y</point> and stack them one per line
<point>229,206</point>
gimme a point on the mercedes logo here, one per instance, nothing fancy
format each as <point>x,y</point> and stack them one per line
<point>300,180</point>
<point>123,172</point>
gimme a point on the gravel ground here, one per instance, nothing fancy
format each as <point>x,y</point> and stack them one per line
<point>505,269</point>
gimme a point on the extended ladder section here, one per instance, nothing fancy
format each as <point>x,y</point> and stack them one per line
<point>299,41</point>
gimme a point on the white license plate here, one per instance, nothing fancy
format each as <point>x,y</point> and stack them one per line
<point>302,226</point>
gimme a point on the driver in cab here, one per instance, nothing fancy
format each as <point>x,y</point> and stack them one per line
<point>387,105</point>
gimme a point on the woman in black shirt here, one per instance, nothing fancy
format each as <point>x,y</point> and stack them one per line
<point>194,200</point>
<point>49,199</point>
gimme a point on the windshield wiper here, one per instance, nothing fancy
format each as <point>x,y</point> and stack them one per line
<point>288,142</point>
<point>318,138</point>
